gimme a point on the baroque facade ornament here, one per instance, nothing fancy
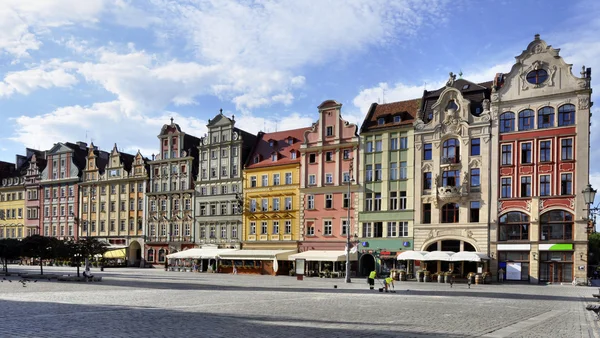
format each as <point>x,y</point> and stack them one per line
<point>584,102</point>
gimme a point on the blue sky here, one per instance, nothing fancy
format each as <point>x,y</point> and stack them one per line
<point>114,71</point>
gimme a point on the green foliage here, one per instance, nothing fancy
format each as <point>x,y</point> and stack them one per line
<point>594,249</point>
<point>10,249</point>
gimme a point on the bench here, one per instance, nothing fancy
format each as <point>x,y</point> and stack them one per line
<point>595,309</point>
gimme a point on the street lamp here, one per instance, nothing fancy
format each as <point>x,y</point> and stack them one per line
<point>589,195</point>
<point>350,180</point>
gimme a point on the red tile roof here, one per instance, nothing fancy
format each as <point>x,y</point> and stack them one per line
<point>281,146</point>
<point>407,110</point>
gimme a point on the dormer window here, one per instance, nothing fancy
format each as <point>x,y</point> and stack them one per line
<point>465,87</point>
<point>256,159</point>
<point>397,119</point>
<point>381,121</point>
<point>452,105</point>
<point>274,157</point>
<point>293,154</point>
<point>271,143</point>
<point>290,140</point>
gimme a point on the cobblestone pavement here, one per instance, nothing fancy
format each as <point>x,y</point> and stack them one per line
<point>155,303</point>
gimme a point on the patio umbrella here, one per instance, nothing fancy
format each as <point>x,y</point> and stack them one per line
<point>412,255</point>
<point>439,256</point>
<point>469,256</point>
<point>275,265</point>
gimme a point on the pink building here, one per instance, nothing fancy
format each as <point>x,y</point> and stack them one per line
<point>329,158</point>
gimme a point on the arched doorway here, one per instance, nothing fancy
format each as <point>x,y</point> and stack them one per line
<point>134,255</point>
<point>367,264</point>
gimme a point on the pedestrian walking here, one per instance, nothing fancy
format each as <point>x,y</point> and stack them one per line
<point>371,279</point>
<point>234,269</point>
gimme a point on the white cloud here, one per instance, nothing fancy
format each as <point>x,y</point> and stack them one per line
<point>26,81</point>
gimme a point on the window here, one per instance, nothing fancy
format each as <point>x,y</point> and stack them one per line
<point>224,190</point>
<point>234,231</point>
<point>394,143</point>
<point>328,201</point>
<point>506,154</point>
<point>234,170</point>
<point>275,204</point>
<point>274,157</point>
<point>293,155</point>
<point>288,203</point>
<point>507,122</point>
<point>328,178</point>
<point>265,204</point>
<point>526,186</point>
<point>312,180</point>
<point>369,173</point>
<point>526,153</point>
<point>566,149</point>
<point>474,211</point>
<point>329,156</point>
<point>378,145</point>
<point>378,172</point>
<point>566,115</point>
<point>475,147</point>
<point>392,229</point>
<point>426,181</point>
<point>264,229</point>
<point>526,119</point>
<point>275,227</point>
<point>346,177</point>
<point>102,226</point>
<point>403,171</point>
<point>275,179</point>
<point>545,153</point>
<point>451,178</point>
<point>346,154</point>
<point>253,181</point>
<point>369,202</point>
<point>265,180</point>
<point>513,226</point>
<point>537,76</point>
<point>450,151</point>
<point>252,228</point>
<point>327,228</point>
<point>393,171</point>
<point>546,117</point>
<point>566,184</point>
<point>556,225</point>
<point>310,205</point>
<point>329,131</point>
<point>475,179</point>
<point>377,206</point>
<point>404,143</point>
<point>288,178</point>
<point>402,200</point>
<point>310,230</point>
<point>426,213</point>
<point>223,152</point>
<point>312,158</point>
<point>381,121</point>
<point>213,154</point>
<point>506,183</point>
<point>344,227</point>
<point>224,171</point>
<point>346,201</point>
<point>545,185</point>
<point>367,230</point>
<point>252,205</point>
<point>224,208</point>
<point>369,147</point>
<point>403,229</point>
<point>450,213</point>
<point>150,255</point>
<point>397,119</point>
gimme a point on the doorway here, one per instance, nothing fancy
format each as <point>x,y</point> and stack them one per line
<point>367,264</point>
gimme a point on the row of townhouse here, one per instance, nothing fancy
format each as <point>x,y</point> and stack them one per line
<point>495,168</point>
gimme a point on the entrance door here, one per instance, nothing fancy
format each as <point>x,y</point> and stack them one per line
<point>367,264</point>
<point>556,273</point>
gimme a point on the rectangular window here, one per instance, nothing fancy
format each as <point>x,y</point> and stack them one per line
<point>378,172</point>
<point>402,200</point>
<point>369,173</point>
<point>275,227</point>
<point>288,178</point>
<point>394,143</point>
<point>252,228</point>
<point>265,180</point>
<point>328,201</point>
<point>312,180</point>
<point>566,149</point>
<point>367,230</point>
<point>426,181</point>
<point>234,228</point>
<point>506,183</point>
<point>346,201</point>
<point>526,186</point>
<point>275,204</point>
<point>475,179</point>
<point>310,205</point>
<point>329,156</point>
<point>369,147</point>
<point>427,151</point>
<point>403,170</point>
<point>253,181</point>
<point>265,204</point>
<point>566,184</point>
<point>378,229</point>
<point>474,211</point>
<point>310,230</point>
<point>344,227</point>
<point>264,230</point>
<point>393,171</point>
<point>369,201</point>
<point>224,208</point>
<point>327,228</point>
<point>377,206</point>
<point>312,158</point>
<point>404,143</point>
<point>426,213</point>
<point>288,203</point>
<point>506,154</point>
<point>392,229</point>
<point>393,200</point>
<point>526,153</point>
<point>403,229</point>
<point>346,177</point>
<point>346,154</point>
<point>252,205</point>
<point>545,185</point>
<point>475,147</point>
<point>328,178</point>
<point>288,227</point>
<point>329,131</point>
<point>276,179</point>
<point>545,151</point>
<point>378,145</point>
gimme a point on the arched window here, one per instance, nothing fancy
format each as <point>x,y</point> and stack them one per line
<point>526,119</point>
<point>546,117</point>
<point>161,255</point>
<point>566,115</point>
<point>507,122</point>
<point>556,225</point>
<point>451,151</point>
<point>450,213</point>
<point>150,255</point>
<point>514,226</point>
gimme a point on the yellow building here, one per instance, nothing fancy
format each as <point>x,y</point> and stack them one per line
<point>272,201</point>
<point>112,202</point>
<point>12,199</point>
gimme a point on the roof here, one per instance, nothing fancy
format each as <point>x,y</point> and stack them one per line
<point>263,149</point>
<point>471,91</point>
<point>406,109</point>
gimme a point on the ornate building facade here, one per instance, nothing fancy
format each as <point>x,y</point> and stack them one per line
<point>329,159</point>
<point>542,118</point>
<point>169,214</point>
<point>112,201</point>
<point>453,172</point>
<point>33,193</point>
<point>387,171</point>
<point>12,198</point>
<point>60,185</point>
<point>223,152</point>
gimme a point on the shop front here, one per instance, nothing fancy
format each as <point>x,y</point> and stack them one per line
<point>513,260</point>
<point>260,262</point>
<point>381,255</point>
<point>556,263</point>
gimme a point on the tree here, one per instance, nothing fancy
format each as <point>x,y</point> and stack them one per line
<point>594,249</point>
<point>10,249</point>
<point>39,247</point>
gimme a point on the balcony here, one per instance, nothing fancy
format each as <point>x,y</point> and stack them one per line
<point>450,160</point>
<point>449,193</point>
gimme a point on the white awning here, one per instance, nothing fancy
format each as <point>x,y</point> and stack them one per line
<point>438,256</point>
<point>323,256</point>
<point>412,255</point>
<point>469,256</point>
<point>198,253</point>
<point>259,255</point>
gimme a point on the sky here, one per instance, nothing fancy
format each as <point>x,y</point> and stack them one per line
<point>115,71</point>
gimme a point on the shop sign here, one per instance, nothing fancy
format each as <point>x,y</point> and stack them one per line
<point>556,247</point>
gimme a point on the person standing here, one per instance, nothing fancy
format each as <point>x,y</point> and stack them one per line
<point>371,279</point>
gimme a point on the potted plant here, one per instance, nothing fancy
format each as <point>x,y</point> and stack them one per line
<point>401,275</point>
<point>427,276</point>
<point>447,276</point>
<point>440,277</point>
<point>471,277</point>
<point>420,275</point>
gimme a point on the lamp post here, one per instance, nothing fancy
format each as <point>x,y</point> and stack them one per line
<point>350,179</point>
<point>589,195</point>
